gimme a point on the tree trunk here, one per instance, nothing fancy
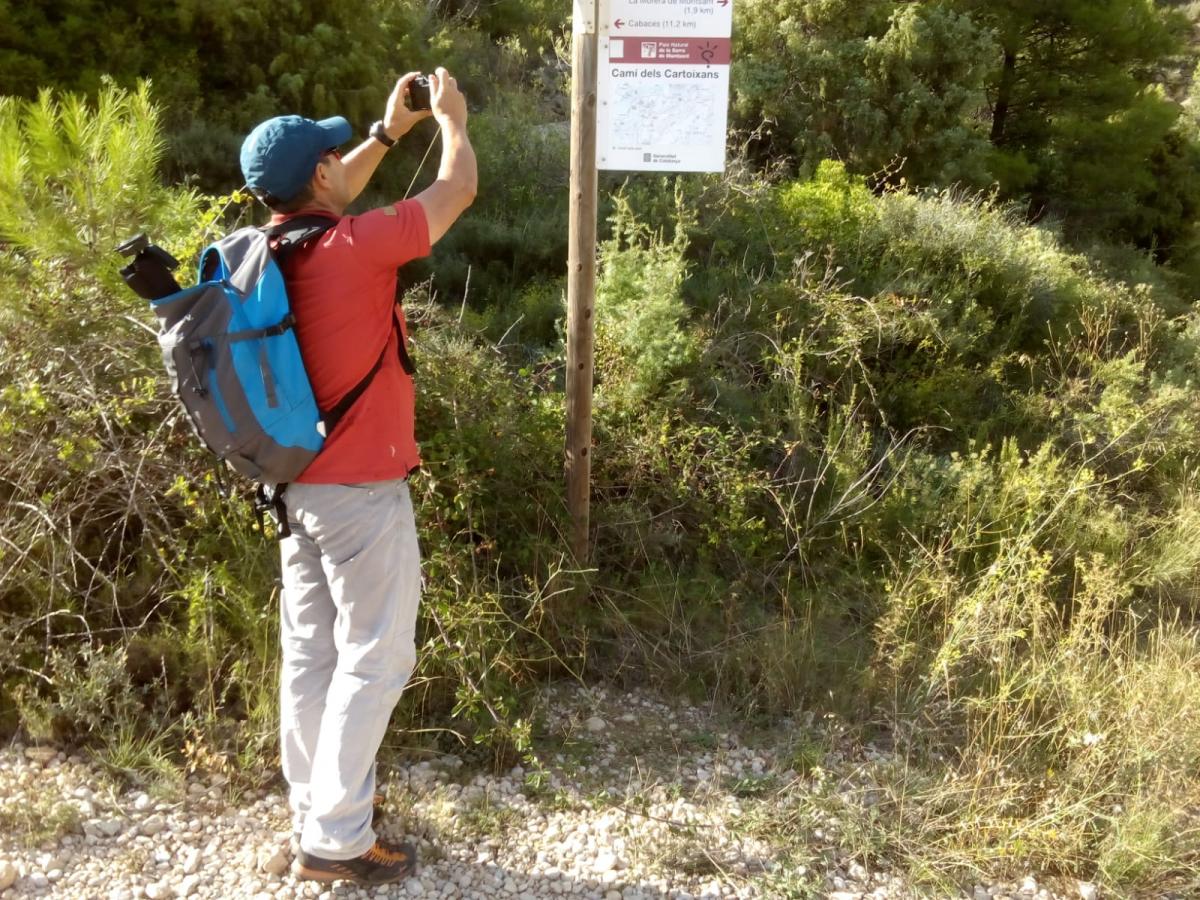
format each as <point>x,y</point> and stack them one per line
<point>1008,78</point>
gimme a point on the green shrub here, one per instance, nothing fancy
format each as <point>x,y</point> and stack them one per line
<point>831,208</point>
<point>1018,629</point>
<point>641,339</point>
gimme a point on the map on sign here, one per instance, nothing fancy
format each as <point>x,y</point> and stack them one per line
<point>672,114</point>
<point>663,84</point>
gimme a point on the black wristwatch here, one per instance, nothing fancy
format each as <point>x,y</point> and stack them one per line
<point>380,134</point>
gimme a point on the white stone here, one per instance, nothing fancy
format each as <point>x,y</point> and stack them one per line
<point>273,863</point>
<point>42,755</point>
<point>1087,891</point>
<point>157,891</point>
<point>414,887</point>
<point>153,825</point>
<point>8,874</point>
<point>141,802</point>
<point>110,827</point>
<point>605,862</point>
<point>191,862</point>
<point>595,724</point>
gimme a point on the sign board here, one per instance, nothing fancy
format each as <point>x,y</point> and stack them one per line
<point>663,85</point>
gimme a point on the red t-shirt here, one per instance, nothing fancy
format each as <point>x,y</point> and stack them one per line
<point>342,289</point>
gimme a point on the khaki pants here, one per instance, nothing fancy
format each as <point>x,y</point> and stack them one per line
<point>351,585</point>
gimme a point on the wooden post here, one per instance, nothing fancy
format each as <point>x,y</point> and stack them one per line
<point>581,275</point>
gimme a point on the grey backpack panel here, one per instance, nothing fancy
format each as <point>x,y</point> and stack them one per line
<point>246,253</point>
<point>190,320</point>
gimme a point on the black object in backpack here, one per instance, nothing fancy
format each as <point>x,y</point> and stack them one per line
<point>149,273</point>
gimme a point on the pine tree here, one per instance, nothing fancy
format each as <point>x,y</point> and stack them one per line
<point>879,85</point>
<point>77,178</point>
<point>1074,115</point>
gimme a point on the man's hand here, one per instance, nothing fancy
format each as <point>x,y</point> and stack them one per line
<point>448,104</point>
<point>399,118</point>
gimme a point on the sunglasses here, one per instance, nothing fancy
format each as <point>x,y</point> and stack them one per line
<point>334,152</point>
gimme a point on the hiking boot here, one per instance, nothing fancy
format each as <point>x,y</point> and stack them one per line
<point>377,802</point>
<point>382,864</point>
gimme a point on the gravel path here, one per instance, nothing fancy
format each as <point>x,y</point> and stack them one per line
<point>634,798</point>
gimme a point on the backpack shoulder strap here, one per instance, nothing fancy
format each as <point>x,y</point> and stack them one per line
<point>333,416</point>
<point>296,232</point>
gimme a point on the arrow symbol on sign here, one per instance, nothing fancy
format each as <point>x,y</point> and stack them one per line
<point>722,2</point>
<point>620,24</point>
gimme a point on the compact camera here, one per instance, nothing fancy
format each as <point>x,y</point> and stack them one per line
<point>418,93</point>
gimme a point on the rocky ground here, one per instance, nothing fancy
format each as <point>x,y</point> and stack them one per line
<point>633,798</point>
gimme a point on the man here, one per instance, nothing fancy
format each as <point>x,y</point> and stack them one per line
<point>351,569</point>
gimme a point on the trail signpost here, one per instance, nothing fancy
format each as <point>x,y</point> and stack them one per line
<point>581,274</point>
<point>649,93</point>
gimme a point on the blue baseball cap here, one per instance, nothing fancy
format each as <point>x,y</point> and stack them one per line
<point>280,155</point>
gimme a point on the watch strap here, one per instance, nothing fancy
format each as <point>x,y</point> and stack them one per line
<point>380,134</point>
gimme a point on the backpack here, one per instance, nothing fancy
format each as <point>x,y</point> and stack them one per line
<point>229,345</point>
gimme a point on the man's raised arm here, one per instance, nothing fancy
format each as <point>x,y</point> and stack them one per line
<point>362,161</point>
<point>446,199</point>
